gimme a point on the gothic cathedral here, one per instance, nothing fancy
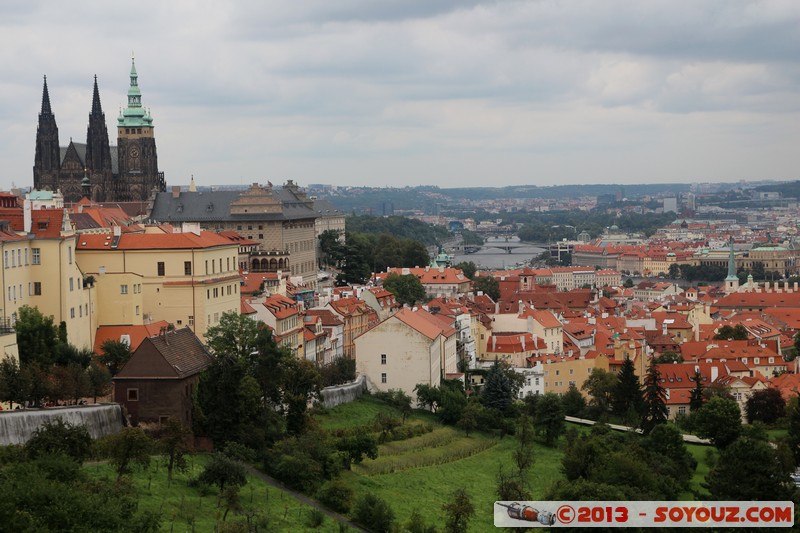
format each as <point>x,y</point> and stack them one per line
<point>127,172</point>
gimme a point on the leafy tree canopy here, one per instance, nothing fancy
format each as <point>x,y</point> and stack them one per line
<point>408,289</point>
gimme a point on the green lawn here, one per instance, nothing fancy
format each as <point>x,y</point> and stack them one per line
<point>185,509</point>
<point>420,473</point>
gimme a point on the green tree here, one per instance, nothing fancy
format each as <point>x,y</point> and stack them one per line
<point>301,384</point>
<point>748,469</point>
<point>667,358</point>
<point>129,447</point>
<point>358,259</point>
<point>468,268</point>
<point>174,441</point>
<point>696,398</point>
<point>37,337</point>
<point>627,393</point>
<point>332,246</point>
<point>655,400</point>
<point>114,355</point>
<point>15,383</point>
<point>469,417</point>
<point>765,406</point>
<point>407,289</point>
<point>488,285</point>
<point>236,335</point>
<point>357,445</point>
<point>223,471</point>
<point>459,510</point>
<point>793,431</point>
<point>737,333</point>
<point>573,402</point>
<point>719,420</point>
<point>498,389</point>
<point>628,283</point>
<point>59,437</point>
<point>374,513</point>
<point>549,419</point>
<point>600,384</point>
<point>99,380</point>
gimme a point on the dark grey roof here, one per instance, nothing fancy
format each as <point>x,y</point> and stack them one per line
<point>183,350</point>
<point>215,206</point>
<point>326,209</point>
<point>83,221</point>
<point>81,149</point>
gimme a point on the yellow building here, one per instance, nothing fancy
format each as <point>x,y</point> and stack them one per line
<point>188,279</point>
<point>39,269</point>
<point>560,373</point>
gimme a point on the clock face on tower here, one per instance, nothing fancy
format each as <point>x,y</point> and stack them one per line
<point>134,152</point>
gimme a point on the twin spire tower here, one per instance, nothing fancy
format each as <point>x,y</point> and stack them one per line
<point>97,170</point>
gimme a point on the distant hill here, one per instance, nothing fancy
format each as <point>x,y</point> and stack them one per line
<point>790,189</point>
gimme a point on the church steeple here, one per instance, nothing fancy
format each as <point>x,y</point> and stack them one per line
<point>98,152</point>
<point>45,100</point>
<point>732,281</point>
<point>134,115</point>
<point>47,158</point>
<point>96,107</point>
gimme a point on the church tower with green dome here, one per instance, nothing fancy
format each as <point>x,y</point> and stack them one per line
<point>136,148</point>
<point>96,170</point>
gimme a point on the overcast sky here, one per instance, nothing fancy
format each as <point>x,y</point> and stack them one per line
<point>400,92</point>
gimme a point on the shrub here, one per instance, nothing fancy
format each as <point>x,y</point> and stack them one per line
<point>59,437</point>
<point>374,513</point>
<point>336,495</point>
<point>315,518</point>
<point>221,471</point>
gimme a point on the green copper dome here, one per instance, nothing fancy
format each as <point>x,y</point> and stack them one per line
<point>134,116</point>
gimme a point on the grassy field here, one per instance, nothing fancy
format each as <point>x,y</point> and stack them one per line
<point>186,509</point>
<point>420,473</point>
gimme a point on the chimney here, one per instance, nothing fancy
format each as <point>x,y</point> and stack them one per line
<point>176,191</point>
<point>663,328</point>
<point>522,340</point>
<point>497,308</point>
<point>494,342</point>
<point>27,215</point>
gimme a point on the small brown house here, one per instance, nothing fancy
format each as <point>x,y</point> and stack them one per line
<point>159,380</point>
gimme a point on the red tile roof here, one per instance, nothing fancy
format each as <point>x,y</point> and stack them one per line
<point>136,333</point>
<point>142,241</point>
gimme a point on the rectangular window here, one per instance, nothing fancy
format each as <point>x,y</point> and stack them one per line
<point>383,358</point>
<point>133,395</point>
<point>681,409</point>
<point>71,284</point>
<point>229,263</point>
<point>187,268</point>
<point>19,257</point>
<point>123,289</point>
<point>72,312</point>
<point>5,259</point>
<point>69,254</point>
<point>26,256</point>
<point>37,288</point>
<point>383,377</point>
<point>160,266</point>
<point>80,311</point>
<point>137,310</point>
<point>191,320</point>
<point>216,318</point>
<point>206,266</point>
<point>36,254</point>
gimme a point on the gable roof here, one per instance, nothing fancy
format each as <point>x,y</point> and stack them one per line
<point>181,350</point>
<point>423,322</point>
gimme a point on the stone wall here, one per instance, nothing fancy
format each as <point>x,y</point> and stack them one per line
<point>17,426</point>
<point>339,394</point>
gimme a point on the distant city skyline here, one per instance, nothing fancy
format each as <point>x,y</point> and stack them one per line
<point>395,93</point>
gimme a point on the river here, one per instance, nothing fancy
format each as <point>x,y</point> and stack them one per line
<point>490,256</point>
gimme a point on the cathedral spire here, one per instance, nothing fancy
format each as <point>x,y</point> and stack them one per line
<point>96,108</point>
<point>134,114</point>
<point>45,99</point>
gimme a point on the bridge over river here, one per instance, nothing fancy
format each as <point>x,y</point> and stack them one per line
<point>501,252</point>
